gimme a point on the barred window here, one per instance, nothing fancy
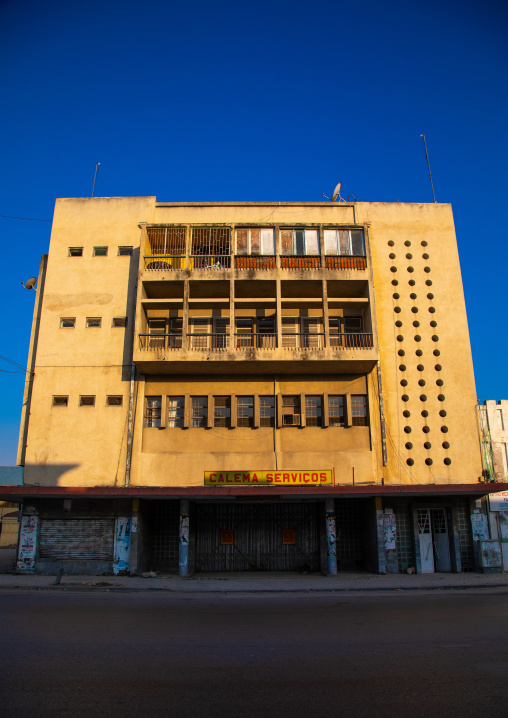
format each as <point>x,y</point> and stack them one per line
<point>336,410</point>
<point>153,412</point>
<point>245,411</point>
<point>222,411</point>
<point>359,410</point>
<point>291,410</point>
<point>267,410</point>
<point>199,411</point>
<point>176,406</point>
<point>313,411</point>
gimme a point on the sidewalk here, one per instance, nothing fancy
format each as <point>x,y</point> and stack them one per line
<point>253,582</point>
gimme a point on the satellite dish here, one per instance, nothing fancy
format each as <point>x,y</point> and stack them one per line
<point>336,192</point>
<point>30,283</point>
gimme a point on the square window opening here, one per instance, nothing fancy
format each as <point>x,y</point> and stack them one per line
<point>87,400</point>
<point>100,251</point>
<point>60,401</point>
<point>119,322</point>
<point>67,322</point>
<point>125,251</point>
<point>93,322</point>
<point>75,251</point>
<point>114,400</point>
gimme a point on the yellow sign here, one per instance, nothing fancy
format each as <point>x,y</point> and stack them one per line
<point>268,478</point>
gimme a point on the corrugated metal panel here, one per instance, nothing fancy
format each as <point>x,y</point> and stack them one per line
<point>77,538</point>
<point>257,543</point>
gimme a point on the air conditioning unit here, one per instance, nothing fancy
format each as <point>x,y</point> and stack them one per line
<point>291,419</point>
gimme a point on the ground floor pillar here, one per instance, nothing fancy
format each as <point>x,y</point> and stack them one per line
<point>183,550</point>
<point>331,536</point>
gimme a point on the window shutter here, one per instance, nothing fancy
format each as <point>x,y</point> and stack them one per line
<point>330,241</point>
<point>311,241</point>
<point>267,241</point>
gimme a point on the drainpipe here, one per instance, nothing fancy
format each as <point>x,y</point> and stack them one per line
<point>32,353</point>
<point>128,458</point>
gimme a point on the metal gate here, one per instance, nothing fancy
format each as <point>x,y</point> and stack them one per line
<point>249,537</point>
<point>162,520</point>
<point>77,538</point>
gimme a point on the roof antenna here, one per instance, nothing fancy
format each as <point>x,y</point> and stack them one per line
<point>336,193</point>
<point>95,176</point>
<point>428,165</point>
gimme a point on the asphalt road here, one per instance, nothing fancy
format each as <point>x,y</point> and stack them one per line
<point>141,654</point>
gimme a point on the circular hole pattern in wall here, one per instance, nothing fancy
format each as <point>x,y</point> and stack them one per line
<point>410,269</point>
<point>440,382</point>
<point>423,397</point>
<point>419,353</point>
<point>426,269</point>
<point>421,382</point>
<point>409,256</point>
<point>444,429</point>
<point>426,429</point>
<point>392,255</point>
<point>442,413</point>
<point>418,338</point>
<point>398,323</point>
<point>396,295</point>
<point>425,413</point>
<point>411,282</point>
<point>441,397</point>
<point>391,243</point>
<point>393,269</point>
<point>416,323</point>
<point>433,324</point>
<point>410,462</point>
<point>425,256</point>
<point>406,413</point>
<point>432,310</point>
<point>401,352</point>
<point>428,282</point>
<point>405,397</point>
<point>407,243</point>
<point>414,310</point>
<point>407,429</point>
<point>395,282</point>
<point>397,310</point>
<point>436,352</point>
<point>429,462</point>
<point>424,243</point>
<point>400,338</point>
<point>413,295</point>
<point>402,367</point>
<point>447,461</point>
<point>435,338</point>
<point>409,445</point>
<point>403,382</point>
<point>445,445</point>
<point>428,445</point>
<point>420,367</point>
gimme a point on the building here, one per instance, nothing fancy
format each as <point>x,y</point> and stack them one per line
<point>249,385</point>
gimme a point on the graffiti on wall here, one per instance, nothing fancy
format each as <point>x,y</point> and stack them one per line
<point>122,545</point>
<point>390,531</point>
<point>184,529</point>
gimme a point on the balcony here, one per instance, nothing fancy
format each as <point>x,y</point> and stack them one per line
<point>347,353</point>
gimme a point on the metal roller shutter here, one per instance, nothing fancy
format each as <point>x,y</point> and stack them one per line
<point>77,538</point>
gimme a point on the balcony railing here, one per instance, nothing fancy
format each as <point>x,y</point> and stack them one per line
<point>303,341</point>
<point>217,342</point>
<point>304,262</point>
<point>211,261</point>
<point>164,263</point>
<point>255,262</point>
<point>256,341</point>
<point>350,340</point>
<point>346,262</point>
<point>160,341</point>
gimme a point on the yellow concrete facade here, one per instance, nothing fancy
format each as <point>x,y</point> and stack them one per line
<point>412,354</point>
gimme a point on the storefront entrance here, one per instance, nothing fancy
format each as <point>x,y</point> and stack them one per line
<point>263,537</point>
<point>434,541</point>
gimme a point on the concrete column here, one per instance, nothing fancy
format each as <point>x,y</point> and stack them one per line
<point>380,536</point>
<point>331,537</point>
<point>183,554</point>
<point>135,541</point>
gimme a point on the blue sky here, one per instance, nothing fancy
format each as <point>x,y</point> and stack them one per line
<point>258,101</point>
